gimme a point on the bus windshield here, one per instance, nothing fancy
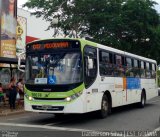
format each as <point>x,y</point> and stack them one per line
<point>54,69</point>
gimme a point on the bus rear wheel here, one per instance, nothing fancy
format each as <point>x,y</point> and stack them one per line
<point>105,107</point>
<point>142,103</point>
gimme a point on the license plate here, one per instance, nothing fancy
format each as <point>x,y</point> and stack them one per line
<point>46,107</point>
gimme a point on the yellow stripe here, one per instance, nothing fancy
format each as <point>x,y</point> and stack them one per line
<point>124,83</point>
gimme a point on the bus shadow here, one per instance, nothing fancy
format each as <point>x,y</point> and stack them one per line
<point>91,117</point>
<point>127,108</point>
<point>87,118</point>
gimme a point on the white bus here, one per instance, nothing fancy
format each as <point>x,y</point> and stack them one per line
<point>80,76</point>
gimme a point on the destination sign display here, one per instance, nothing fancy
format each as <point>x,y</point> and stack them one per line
<point>50,45</point>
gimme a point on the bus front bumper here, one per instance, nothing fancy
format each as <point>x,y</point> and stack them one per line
<point>75,106</point>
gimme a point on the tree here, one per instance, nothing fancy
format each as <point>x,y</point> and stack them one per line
<point>141,21</point>
<point>70,14</point>
<point>134,27</point>
<point>129,25</point>
<point>105,22</point>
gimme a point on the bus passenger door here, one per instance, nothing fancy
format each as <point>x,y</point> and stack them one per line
<point>90,76</point>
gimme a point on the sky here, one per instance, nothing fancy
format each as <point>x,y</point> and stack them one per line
<point>21,2</point>
<point>157,6</point>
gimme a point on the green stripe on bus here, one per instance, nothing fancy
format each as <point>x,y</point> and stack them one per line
<point>55,94</point>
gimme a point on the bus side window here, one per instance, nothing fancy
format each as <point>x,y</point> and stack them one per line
<point>105,63</point>
<point>118,67</point>
<point>142,69</point>
<point>139,68</point>
<point>129,64</point>
<point>153,71</point>
<point>148,72</point>
<point>90,65</point>
<point>136,68</point>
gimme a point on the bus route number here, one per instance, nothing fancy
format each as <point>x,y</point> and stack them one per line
<point>37,95</point>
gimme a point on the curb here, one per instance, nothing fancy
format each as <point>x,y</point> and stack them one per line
<point>3,113</point>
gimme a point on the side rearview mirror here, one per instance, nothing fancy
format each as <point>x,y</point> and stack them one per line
<point>20,57</point>
<point>90,63</point>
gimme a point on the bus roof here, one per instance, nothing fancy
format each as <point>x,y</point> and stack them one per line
<point>53,39</point>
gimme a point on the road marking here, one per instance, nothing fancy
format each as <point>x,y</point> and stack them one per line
<point>150,134</point>
<point>25,117</point>
<point>43,127</point>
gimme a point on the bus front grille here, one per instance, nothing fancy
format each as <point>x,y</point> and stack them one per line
<point>60,99</point>
<point>48,108</point>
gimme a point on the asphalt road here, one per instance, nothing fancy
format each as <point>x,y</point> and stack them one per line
<point>124,121</point>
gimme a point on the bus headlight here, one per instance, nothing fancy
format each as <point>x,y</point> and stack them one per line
<point>68,99</point>
<point>29,97</point>
<point>76,95</point>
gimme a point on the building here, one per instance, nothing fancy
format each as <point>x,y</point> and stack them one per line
<point>36,27</point>
<point>8,24</point>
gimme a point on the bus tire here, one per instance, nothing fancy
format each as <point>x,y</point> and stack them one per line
<point>105,107</point>
<point>142,103</point>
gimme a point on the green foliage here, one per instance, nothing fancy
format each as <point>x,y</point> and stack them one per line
<point>130,25</point>
<point>71,15</point>
<point>142,22</point>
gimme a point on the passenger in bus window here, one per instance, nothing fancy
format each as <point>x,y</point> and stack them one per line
<point>136,69</point>
<point>119,66</point>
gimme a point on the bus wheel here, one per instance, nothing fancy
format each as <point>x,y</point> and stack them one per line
<point>105,107</point>
<point>142,103</point>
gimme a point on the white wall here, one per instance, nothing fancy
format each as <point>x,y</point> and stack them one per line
<point>36,26</point>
